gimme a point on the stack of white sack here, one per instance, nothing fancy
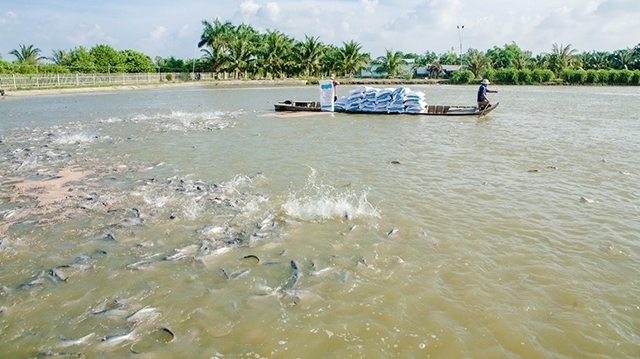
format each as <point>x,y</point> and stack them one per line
<point>341,104</point>
<point>414,102</point>
<point>388,100</point>
<point>383,100</point>
<point>369,102</point>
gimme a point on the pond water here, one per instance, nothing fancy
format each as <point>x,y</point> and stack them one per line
<point>196,222</point>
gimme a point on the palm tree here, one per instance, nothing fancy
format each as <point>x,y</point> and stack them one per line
<point>622,59</point>
<point>391,63</point>
<point>309,54</point>
<point>477,62</point>
<point>561,57</point>
<point>59,57</point>
<point>216,37</point>
<point>276,53</point>
<point>27,54</point>
<point>241,49</point>
<point>435,69</point>
<point>352,60</point>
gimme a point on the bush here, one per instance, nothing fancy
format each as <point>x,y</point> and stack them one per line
<point>169,77</point>
<point>541,76</point>
<point>462,77</point>
<point>604,76</point>
<point>635,80</point>
<point>525,77</point>
<point>592,77</point>
<point>623,77</point>
<point>489,75</point>
<point>507,76</point>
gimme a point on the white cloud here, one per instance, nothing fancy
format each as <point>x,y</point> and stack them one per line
<point>90,37</point>
<point>158,33</point>
<point>249,7</point>
<point>183,32</point>
<point>9,17</point>
<point>369,5</point>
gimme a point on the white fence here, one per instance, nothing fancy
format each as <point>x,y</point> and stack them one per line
<point>78,80</point>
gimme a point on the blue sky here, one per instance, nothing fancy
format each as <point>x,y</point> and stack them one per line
<point>172,28</point>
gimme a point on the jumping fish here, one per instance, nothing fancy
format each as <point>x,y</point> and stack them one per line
<point>69,342</point>
<point>112,339</point>
<point>137,315</point>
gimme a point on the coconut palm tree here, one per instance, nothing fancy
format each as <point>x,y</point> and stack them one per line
<point>59,57</point>
<point>351,59</point>
<point>623,58</point>
<point>216,38</point>
<point>276,53</point>
<point>241,49</point>
<point>391,63</point>
<point>27,54</point>
<point>308,55</point>
<point>435,69</point>
<point>477,62</point>
<point>561,57</point>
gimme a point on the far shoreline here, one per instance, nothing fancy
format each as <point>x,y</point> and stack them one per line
<point>215,83</point>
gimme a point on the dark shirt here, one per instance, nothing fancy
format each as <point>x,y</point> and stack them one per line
<point>482,93</point>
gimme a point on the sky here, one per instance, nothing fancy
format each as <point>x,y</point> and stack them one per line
<point>172,28</point>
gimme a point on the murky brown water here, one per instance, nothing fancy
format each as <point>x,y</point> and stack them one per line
<point>192,222</point>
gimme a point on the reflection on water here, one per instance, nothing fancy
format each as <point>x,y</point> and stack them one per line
<point>192,222</point>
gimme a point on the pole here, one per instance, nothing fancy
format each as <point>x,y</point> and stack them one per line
<point>460,33</point>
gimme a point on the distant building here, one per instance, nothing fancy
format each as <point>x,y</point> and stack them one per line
<point>369,70</point>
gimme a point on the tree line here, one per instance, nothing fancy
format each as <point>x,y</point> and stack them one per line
<point>241,52</point>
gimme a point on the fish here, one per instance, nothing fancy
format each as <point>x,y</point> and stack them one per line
<point>69,342</point>
<point>175,257</point>
<point>140,313</point>
<point>112,339</point>
<point>392,231</point>
<point>54,354</point>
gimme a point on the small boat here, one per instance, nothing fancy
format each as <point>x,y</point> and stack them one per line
<point>433,110</point>
<point>288,105</point>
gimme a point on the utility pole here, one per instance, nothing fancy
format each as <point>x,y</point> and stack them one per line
<point>460,33</point>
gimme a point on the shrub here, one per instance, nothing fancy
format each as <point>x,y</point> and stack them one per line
<point>635,80</point>
<point>462,77</point>
<point>592,77</point>
<point>507,76</point>
<point>525,77</point>
<point>604,76</point>
<point>489,75</point>
<point>169,77</point>
<point>623,77</point>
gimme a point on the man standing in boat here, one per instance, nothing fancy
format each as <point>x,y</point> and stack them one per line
<point>483,100</point>
<point>335,87</point>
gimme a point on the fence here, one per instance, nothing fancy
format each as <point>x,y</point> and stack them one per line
<point>16,81</point>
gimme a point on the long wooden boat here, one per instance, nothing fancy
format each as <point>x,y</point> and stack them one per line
<point>288,105</point>
<point>433,110</point>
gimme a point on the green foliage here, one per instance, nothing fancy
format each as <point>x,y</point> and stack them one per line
<point>574,77</point>
<point>462,77</point>
<point>107,59</point>
<point>592,77</point>
<point>604,76</point>
<point>623,77</point>
<point>635,80</point>
<point>525,77</point>
<point>169,77</point>
<point>80,60</point>
<point>507,76</point>
<point>6,67</point>
<point>136,62</point>
<point>490,75</point>
<point>541,75</point>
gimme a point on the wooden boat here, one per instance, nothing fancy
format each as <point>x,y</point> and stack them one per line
<point>288,105</point>
<point>433,110</point>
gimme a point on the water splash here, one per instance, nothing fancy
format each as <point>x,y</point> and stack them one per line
<point>318,201</point>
